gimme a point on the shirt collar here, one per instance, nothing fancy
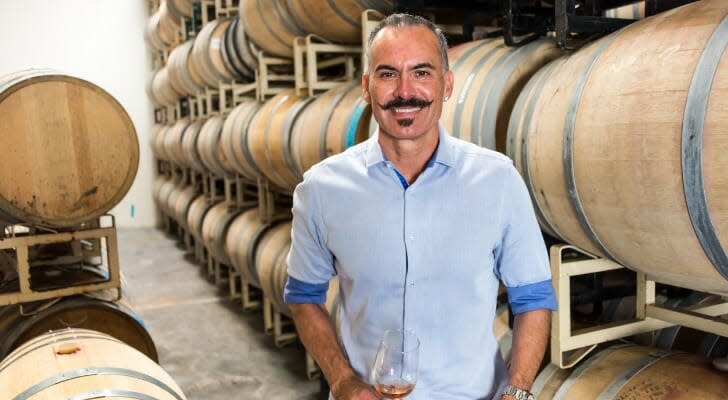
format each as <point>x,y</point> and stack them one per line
<point>443,154</point>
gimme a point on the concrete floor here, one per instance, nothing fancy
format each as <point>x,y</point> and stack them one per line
<point>211,348</point>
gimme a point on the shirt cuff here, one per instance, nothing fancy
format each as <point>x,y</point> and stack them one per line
<point>534,296</point>
<point>299,292</point>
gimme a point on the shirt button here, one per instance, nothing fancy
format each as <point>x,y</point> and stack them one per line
<point>412,284</point>
<point>411,238</point>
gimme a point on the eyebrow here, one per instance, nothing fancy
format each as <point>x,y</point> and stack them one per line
<point>425,65</point>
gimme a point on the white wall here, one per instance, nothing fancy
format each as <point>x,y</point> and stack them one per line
<point>101,41</point>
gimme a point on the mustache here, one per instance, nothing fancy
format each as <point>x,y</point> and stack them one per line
<point>411,102</point>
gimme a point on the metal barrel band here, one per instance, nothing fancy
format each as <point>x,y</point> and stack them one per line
<point>696,109</point>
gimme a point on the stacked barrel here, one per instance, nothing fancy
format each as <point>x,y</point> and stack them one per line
<point>72,155</point>
<point>618,142</point>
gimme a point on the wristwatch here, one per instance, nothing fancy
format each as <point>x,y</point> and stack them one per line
<point>518,393</point>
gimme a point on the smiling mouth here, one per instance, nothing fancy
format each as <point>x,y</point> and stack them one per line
<point>406,110</point>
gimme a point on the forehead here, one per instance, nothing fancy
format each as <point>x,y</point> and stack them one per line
<point>405,45</point>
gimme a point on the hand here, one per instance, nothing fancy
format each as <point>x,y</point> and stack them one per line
<point>353,388</point>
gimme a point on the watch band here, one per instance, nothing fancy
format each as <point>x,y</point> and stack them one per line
<point>518,393</point>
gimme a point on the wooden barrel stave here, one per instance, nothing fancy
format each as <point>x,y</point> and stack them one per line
<point>617,189</point>
<point>338,20</point>
<point>196,215</point>
<point>191,154</point>
<point>181,206</point>
<point>208,146</point>
<point>75,150</point>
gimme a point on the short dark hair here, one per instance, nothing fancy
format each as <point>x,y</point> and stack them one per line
<point>401,20</point>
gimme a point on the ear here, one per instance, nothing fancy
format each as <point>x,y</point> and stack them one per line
<point>365,88</point>
<point>449,84</point>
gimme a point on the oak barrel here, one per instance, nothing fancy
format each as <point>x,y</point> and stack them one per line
<point>215,227</point>
<point>629,168</point>
<point>242,241</point>
<point>173,141</point>
<point>335,121</point>
<point>182,75</point>
<point>210,148</point>
<point>240,52</point>
<point>269,26</point>
<point>336,20</point>
<point>272,268</point>
<point>100,311</point>
<point>488,78</point>
<point>234,139</point>
<point>158,148</point>
<point>182,205</point>
<point>269,140</point>
<point>206,53</point>
<point>633,372</point>
<point>196,215</point>
<point>190,153</point>
<point>83,364</point>
<point>74,149</point>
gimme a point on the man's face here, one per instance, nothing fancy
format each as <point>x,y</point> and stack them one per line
<point>406,83</point>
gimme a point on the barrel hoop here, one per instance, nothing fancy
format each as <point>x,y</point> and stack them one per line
<point>244,139</point>
<point>237,239</point>
<point>236,49</point>
<point>568,153</point>
<point>281,253</point>
<point>530,108</point>
<point>635,10</point>
<point>8,362</point>
<point>343,16</point>
<point>106,393</point>
<point>92,371</point>
<point>487,116</point>
<point>379,5</point>
<point>232,59</point>
<point>578,371</point>
<point>326,118</point>
<point>359,107</point>
<point>297,18</point>
<point>286,20</point>
<point>262,19</point>
<point>291,118</point>
<point>696,108</point>
<point>252,247</point>
<point>610,392</point>
<point>543,378</point>
<point>459,108</point>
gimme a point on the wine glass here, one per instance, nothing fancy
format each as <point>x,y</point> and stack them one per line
<point>394,372</point>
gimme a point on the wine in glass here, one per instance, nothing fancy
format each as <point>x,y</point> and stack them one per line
<point>394,372</point>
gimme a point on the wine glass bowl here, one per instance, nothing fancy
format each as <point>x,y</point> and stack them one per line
<point>394,372</point>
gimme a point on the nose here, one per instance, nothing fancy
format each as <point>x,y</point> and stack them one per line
<point>405,88</point>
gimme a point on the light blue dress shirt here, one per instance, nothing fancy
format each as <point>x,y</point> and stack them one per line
<point>425,257</point>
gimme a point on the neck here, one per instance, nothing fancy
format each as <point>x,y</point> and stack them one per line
<point>409,156</point>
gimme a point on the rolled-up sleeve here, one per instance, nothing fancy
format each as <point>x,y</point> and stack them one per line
<point>310,263</point>
<point>521,258</point>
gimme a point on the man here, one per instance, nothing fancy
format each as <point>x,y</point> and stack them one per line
<point>419,227</point>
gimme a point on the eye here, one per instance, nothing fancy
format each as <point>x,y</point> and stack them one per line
<point>387,74</point>
<point>422,73</point>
